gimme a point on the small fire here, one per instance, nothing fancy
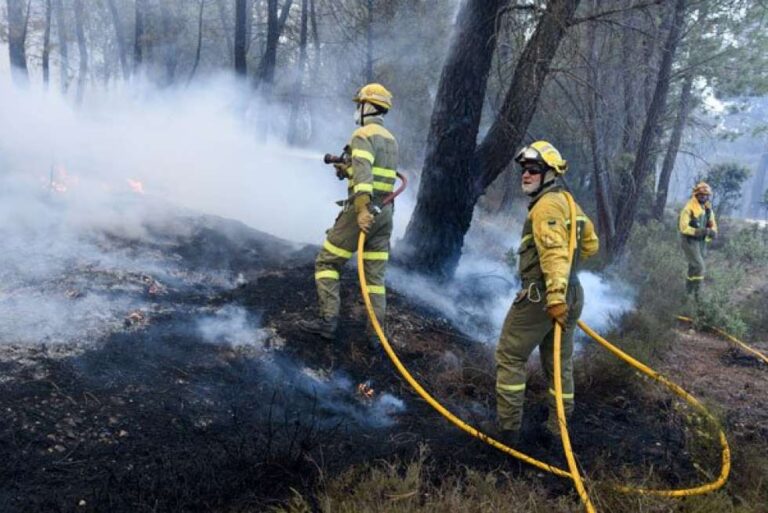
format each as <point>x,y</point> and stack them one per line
<point>366,390</point>
<point>59,180</point>
<point>136,186</point>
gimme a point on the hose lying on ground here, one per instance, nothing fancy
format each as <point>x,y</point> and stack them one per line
<point>573,472</point>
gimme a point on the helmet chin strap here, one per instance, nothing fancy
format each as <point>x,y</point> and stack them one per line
<point>365,110</point>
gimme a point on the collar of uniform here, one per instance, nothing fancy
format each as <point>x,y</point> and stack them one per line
<point>553,187</point>
<point>375,120</point>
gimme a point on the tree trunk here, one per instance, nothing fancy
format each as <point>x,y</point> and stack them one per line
<point>674,146</point>
<point>435,233</point>
<point>241,65</point>
<point>222,9</point>
<point>369,44</point>
<point>645,156</point>
<point>603,195</point>
<point>82,48</point>
<point>269,60</point>
<point>47,44</point>
<point>140,35</point>
<point>122,49</point>
<point>170,49</point>
<point>293,133</point>
<point>17,35</point>
<point>199,47</point>
<point>63,51</point>
<point>456,170</point>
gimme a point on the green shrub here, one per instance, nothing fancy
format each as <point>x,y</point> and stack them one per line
<point>748,246</point>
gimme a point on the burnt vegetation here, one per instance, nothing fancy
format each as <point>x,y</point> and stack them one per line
<point>157,416</point>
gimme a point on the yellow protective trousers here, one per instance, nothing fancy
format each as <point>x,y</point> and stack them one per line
<point>694,250</point>
<point>339,246</point>
<point>526,327</point>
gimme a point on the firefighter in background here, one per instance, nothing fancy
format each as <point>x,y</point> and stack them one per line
<point>371,174</point>
<point>550,291</point>
<point>697,227</point>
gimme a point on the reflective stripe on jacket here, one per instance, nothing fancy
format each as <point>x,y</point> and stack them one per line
<point>374,160</point>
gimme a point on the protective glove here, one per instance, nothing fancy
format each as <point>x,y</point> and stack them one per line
<point>364,216</point>
<point>558,313</point>
<point>700,233</point>
<point>710,233</point>
<point>342,171</point>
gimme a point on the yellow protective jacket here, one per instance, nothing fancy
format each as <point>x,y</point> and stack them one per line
<point>374,160</point>
<point>543,253</point>
<point>694,216</point>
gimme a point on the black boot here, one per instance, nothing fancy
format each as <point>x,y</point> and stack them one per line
<point>326,328</point>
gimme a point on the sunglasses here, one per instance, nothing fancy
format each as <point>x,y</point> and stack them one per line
<point>532,169</point>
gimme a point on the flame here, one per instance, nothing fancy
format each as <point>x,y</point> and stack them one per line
<point>366,390</point>
<point>136,186</point>
<point>60,181</point>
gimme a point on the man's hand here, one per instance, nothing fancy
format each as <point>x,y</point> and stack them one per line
<point>558,313</point>
<point>710,233</point>
<point>364,220</point>
<point>364,216</point>
<point>341,171</point>
<point>700,233</point>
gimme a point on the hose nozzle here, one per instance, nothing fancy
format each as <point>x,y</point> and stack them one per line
<point>332,159</point>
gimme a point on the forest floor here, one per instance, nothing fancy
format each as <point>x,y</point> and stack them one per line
<point>208,397</point>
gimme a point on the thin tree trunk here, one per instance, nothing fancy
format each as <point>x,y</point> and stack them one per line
<point>222,9</point>
<point>293,134</point>
<point>241,65</point>
<point>645,156</point>
<point>268,62</point>
<point>63,49</point>
<point>369,44</point>
<point>122,49</point>
<point>47,44</point>
<point>674,146</point>
<point>140,35</point>
<point>199,48</point>
<point>315,33</point>
<point>170,49</point>
<point>82,48</point>
<point>17,35</point>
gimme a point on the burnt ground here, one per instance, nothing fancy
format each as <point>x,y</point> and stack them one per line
<point>159,415</point>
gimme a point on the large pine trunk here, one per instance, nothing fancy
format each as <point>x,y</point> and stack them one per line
<point>646,151</point>
<point>443,212</point>
<point>456,170</point>
<point>17,35</point>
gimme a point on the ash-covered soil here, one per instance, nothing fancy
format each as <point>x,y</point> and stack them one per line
<point>202,394</point>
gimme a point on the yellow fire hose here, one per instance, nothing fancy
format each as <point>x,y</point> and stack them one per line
<point>731,338</point>
<point>573,473</point>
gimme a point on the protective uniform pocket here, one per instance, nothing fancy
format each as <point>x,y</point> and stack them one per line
<point>550,235</point>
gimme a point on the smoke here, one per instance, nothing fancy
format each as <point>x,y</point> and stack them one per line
<point>333,396</point>
<point>478,297</point>
<point>234,326</point>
